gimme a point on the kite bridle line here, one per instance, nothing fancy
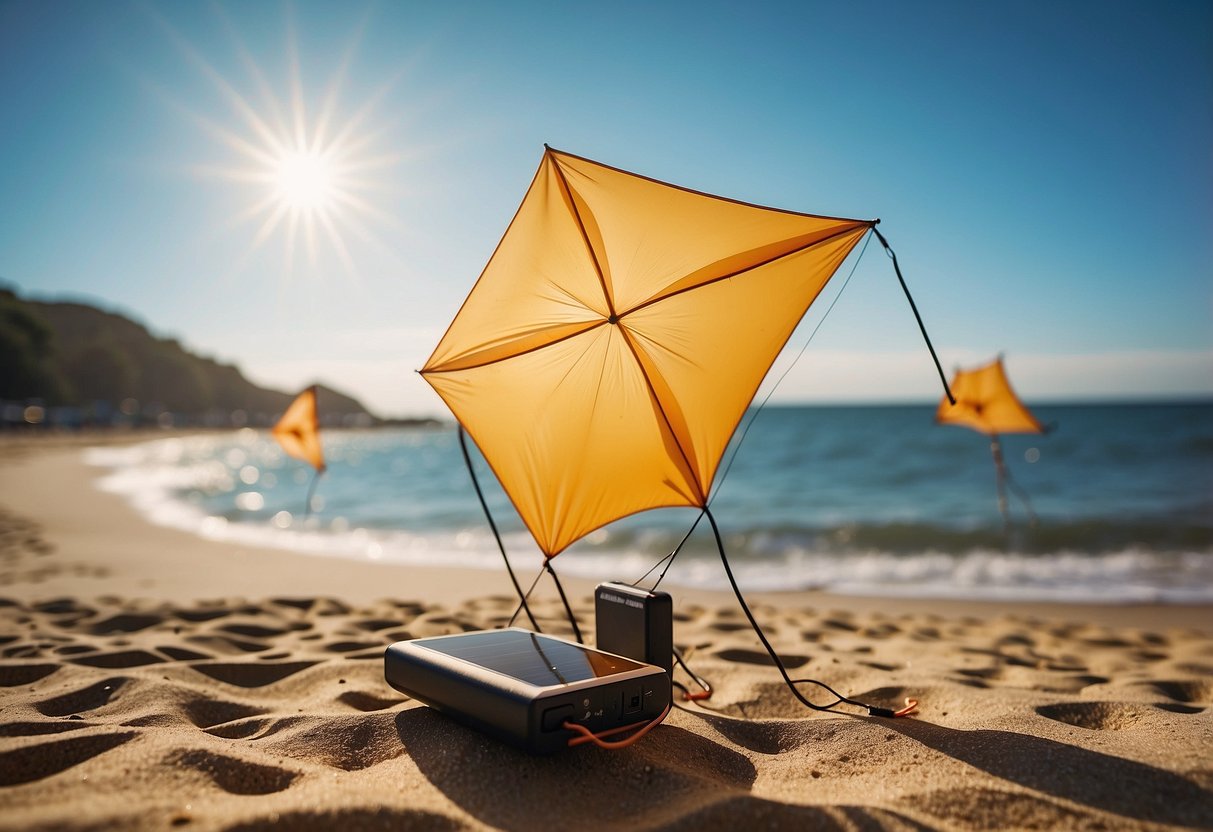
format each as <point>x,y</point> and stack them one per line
<point>467,458</point>
<point>547,562</point>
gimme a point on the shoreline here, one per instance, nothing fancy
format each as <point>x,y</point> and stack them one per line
<point>103,536</point>
<point>111,549</point>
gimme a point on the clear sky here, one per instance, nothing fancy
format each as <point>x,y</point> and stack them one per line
<point>1043,170</point>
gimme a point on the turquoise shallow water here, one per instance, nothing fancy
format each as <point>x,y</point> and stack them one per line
<point>874,500</point>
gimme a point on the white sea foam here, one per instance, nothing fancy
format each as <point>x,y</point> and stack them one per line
<point>156,478</point>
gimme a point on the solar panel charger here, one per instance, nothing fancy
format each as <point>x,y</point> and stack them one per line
<point>521,687</point>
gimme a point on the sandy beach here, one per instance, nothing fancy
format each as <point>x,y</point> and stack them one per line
<point>151,679</point>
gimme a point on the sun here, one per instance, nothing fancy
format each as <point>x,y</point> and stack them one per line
<point>311,169</point>
<point>305,181</point>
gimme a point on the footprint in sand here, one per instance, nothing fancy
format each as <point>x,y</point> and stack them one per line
<point>252,630</point>
<point>360,701</point>
<point>35,729</point>
<point>1186,691</point>
<point>89,698</point>
<point>120,659</point>
<point>207,712</point>
<point>348,743</point>
<point>241,729</point>
<point>250,675</point>
<point>15,675</point>
<point>790,660</point>
<point>353,646</point>
<point>1096,716</point>
<point>227,644</point>
<point>35,762</point>
<point>125,623</point>
<point>232,774</point>
<point>309,820</point>
<point>374,625</point>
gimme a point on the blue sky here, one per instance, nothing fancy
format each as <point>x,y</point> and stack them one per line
<point>1043,170</point>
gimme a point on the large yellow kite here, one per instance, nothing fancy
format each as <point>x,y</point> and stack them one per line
<point>614,340</point>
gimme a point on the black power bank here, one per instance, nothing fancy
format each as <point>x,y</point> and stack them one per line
<point>521,687</point>
<point>636,623</point>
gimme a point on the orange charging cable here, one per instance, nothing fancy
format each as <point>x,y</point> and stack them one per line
<point>589,736</point>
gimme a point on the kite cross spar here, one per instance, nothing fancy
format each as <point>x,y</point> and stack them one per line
<point>298,432</point>
<point>616,337</point>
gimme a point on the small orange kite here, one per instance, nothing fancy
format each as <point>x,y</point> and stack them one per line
<point>298,431</point>
<point>986,403</point>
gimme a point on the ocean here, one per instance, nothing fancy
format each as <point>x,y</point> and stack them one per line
<point>873,500</point>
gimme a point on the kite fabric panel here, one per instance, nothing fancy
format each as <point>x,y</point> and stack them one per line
<point>986,403</point>
<point>298,431</point>
<point>614,340</point>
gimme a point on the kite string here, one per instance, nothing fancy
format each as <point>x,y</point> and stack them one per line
<point>668,560</point>
<point>873,710</point>
<point>467,458</point>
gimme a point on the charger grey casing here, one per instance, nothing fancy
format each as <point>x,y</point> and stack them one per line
<point>634,622</point>
<point>520,686</point>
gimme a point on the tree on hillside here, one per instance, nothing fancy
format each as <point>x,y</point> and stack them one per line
<point>26,368</point>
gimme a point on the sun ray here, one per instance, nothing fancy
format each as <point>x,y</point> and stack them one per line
<point>292,231</point>
<point>332,93</point>
<point>267,98</point>
<point>298,107</point>
<point>338,243</point>
<point>233,98</point>
<point>270,225</point>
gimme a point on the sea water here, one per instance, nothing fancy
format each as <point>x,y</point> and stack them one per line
<point>862,500</point>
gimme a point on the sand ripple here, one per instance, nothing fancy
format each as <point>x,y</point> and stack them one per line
<point>239,715</point>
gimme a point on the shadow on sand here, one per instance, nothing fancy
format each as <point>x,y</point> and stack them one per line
<point>1089,778</point>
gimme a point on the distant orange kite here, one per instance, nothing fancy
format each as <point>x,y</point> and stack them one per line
<point>298,431</point>
<point>986,403</point>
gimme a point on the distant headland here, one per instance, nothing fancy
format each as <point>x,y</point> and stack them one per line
<point>70,365</point>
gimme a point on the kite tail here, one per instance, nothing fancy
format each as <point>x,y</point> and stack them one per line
<point>873,710</point>
<point>467,458</point>
<point>311,491</point>
<point>1018,491</point>
<point>914,308</point>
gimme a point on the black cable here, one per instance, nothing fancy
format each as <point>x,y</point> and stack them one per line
<point>914,308</point>
<point>791,683</point>
<point>467,458</point>
<point>703,683</point>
